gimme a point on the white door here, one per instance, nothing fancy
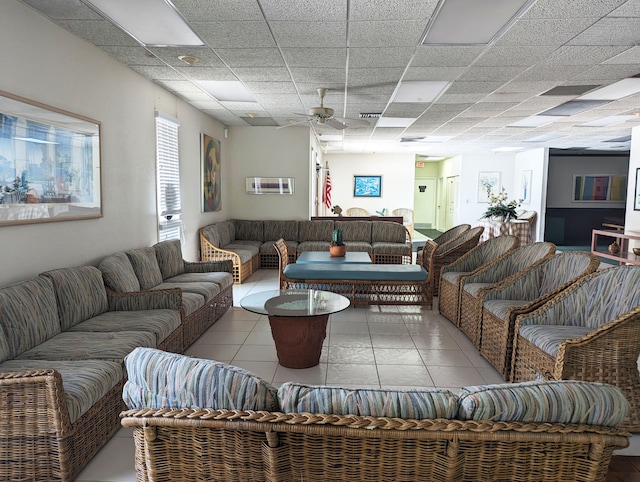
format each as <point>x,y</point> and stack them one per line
<point>424,203</point>
<point>451,199</point>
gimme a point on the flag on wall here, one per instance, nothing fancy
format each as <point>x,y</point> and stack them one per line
<point>326,195</point>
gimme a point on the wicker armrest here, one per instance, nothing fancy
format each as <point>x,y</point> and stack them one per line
<point>208,266</point>
<point>169,299</point>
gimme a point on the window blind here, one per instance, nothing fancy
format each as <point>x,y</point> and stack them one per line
<point>168,177</point>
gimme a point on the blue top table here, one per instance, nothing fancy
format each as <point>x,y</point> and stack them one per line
<point>323,257</point>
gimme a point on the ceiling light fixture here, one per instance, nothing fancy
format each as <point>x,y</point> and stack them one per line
<point>470,22</point>
<point>150,22</point>
<point>395,121</point>
<point>608,121</point>
<point>419,92</point>
<point>227,90</point>
<point>535,121</point>
<point>617,90</point>
<point>189,59</point>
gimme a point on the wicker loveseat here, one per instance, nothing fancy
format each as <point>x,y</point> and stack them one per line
<point>222,423</point>
<point>249,243</point>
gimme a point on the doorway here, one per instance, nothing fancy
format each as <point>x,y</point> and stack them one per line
<point>451,201</point>
<point>424,202</point>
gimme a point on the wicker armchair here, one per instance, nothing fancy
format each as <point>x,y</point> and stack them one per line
<point>591,331</point>
<point>357,212</point>
<point>523,293</point>
<point>407,218</point>
<point>471,287</point>
<point>283,257</point>
<point>491,251</point>
<point>447,253</point>
<point>448,235</point>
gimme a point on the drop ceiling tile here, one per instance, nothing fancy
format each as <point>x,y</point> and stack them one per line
<point>98,32</point>
<point>216,10</point>
<point>303,10</point>
<point>310,34</point>
<point>132,55</point>
<point>582,55</point>
<point>395,10</point>
<point>544,31</point>
<point>373,77</point>
<point>460,98</point>
<point>379,57</point>
<point>366,99</point>
<point>608,73</point>
<point>525,55</point>
<point>404,110</point>
<point>262,74</point>
<point>556,73</point>
<point>574,8</point>
<point>193,96</point>
<point>533,87</point>
<point>271,87</point>
<point>610,31</point>
<point>255,57</point>
<point>504,73</point>
<point>170,55</point>
<point>241,34</point>
<point>315,57</point>
<point>446,56</point>
<point>319,75</point>
<point>157,72</point>
<point>405,33</point>
<point>430,73</point>
<point>629,56</point>
<point>64,9</point>
<point>473,87</point>
<point>626,9</point>
<point>179,85</point>
<point>206,73</point>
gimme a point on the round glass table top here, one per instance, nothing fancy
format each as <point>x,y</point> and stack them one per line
<point>295,302</point>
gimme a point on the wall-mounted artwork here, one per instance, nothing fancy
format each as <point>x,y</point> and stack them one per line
<point>49,163</point>
<point>599,188</point>
<point>367,186</point>
<point>211,177</point>
<point>525,187</point>
<point>269,185</point>
<point>488,184</point>
<point>636,199</point>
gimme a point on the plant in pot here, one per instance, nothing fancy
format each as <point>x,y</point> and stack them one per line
<point>500,209</point>
<point>337,247</point>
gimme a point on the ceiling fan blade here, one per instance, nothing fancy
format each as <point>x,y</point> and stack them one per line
<point>294,124</point>
<point>336,124</point>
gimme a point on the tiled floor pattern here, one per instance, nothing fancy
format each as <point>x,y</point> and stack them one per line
<point>365,346</point>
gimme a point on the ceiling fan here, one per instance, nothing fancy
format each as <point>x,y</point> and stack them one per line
<point>322,116</point>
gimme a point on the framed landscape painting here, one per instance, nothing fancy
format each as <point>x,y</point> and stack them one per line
<point>367,186</point>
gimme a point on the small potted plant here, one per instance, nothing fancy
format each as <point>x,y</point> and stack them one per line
<point>500,209</point>
<point>337,247</point>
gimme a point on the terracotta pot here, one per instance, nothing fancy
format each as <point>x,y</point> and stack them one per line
<point>337,250</point>
<point>614,248</point>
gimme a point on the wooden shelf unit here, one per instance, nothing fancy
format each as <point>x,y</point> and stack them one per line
<point>624,256</point>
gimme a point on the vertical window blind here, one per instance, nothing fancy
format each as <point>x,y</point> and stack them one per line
<point>168,178</point>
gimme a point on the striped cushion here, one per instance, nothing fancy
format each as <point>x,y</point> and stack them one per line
<point>222,279</point>
<point>159,379</point>
<point>355,230</point>
<point>452,276</point>
<point>380,247</point>
<point>313,246</point>
<point>388,232</point>
<point>376,402</point>
<point>80,293</point>
<point>145,264</point>
<point>320,230</point>
<point>473,288</point>
<point>207,290</point>
<point>84,383</point>
<point>28,316</point>
<point>500,307</point>
<point>275,229</point>
<point>249,230</point>
<point>549,337</point>
<point>564,401</point>
<point>169,257</point>
<point>118,274</point>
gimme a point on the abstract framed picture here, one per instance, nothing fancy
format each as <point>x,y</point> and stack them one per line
<point>488,184</point>
<point>636,198</point>
<point>49,163</point>
<point>367,186</point>
<point>599,188</point>
<point>525,187</point>
<point>269,185</point>
<point>211,177</point>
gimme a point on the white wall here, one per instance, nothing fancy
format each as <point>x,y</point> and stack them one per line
<point>44,63</point>
<point>269,152</point>
<point>632,219</point>
<point>536,161</point>
<point>397,171</point>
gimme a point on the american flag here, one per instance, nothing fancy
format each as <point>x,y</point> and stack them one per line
<point>326,196</point>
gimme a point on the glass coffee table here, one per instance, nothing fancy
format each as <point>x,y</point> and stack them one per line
<point>323,257</point>
<point>298,320</point>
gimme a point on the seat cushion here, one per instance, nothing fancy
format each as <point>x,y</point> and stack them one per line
<point>157,379</point>
<point>313,246</point>
<point>145,264</point>
<point>500,307</point>
<point>549,337</point>
<point>563,401</point>
<point>473,288</point>
<point>223,280</point>
<point>118,273</point>
<point>207,290</point>
<point>358,246</point>
<point>452,276</point>
<point>377,402</point>
<point>380,247</point>
<point>84,382</point>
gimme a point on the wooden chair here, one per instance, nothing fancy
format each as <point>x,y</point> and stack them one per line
<point>530,217</point>
<point>357,212</point>
<point>451,275</point>
<point>407,218</point>
<point>590,331</point>
<point>444,254</point>
<point>447,236</point>
<point>472,286</point>
<point>522,293</point>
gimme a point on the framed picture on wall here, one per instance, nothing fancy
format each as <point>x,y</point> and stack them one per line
<point>211,177</point>
<point>367,186</point>
<point>599,188</point>
<point>525,187</point>
<point>636,198</point>
<point>488,184</point>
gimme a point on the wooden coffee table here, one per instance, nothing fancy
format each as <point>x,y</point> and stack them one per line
<point>298,320</point>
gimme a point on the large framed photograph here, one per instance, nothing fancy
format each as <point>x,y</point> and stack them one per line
<point>488,185</point>
<point>49,163</point>
<point>636,198</point>
<point>211,177</point>
<point>269,185</point>
<point>367,186</point>
<point>599,188</point>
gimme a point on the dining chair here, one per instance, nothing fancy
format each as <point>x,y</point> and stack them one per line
<point>357,212</point>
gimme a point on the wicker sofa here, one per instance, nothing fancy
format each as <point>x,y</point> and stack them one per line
<point>249,243</point>
<point>222,423</point>
<point>63,339</point>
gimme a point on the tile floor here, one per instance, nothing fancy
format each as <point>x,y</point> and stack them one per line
<point>365,346</point>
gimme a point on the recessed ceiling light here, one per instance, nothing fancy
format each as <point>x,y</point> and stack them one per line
<point>227,90</point>
<point>252,115</point>
<point>395,122</point>
<point>470,22</point>
<point>189,59</point>
<point>608,121</point>
<point>617,90</point>
<point>574,107</point>
<point>419,92</point>
<point>534,121</point>
<point>150,22</point>
<point>543,138</point>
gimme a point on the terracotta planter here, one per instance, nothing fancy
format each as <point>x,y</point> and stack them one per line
<point>337,250</point>
<point>614,248</point>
